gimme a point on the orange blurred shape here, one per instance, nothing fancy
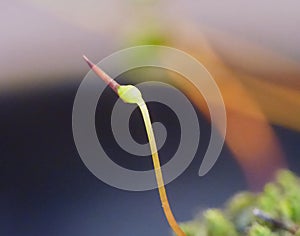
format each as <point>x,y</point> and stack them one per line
<point>249,135</point>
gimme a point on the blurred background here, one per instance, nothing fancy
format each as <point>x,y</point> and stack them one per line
<point>250,48</point>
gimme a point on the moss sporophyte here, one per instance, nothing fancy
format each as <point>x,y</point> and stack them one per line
<point>131,94</point>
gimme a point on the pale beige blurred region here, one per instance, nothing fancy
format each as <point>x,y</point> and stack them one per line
<point>45,38</point>
<point>251,48</point>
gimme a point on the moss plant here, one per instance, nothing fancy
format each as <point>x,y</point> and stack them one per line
<point>273,212</point>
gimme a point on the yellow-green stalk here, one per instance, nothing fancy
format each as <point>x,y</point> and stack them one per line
<point>131,94</point>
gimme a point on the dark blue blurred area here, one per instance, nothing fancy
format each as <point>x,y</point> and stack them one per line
<point>45,189</point>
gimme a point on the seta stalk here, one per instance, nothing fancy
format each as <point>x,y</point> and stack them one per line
<point>131,94</point>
